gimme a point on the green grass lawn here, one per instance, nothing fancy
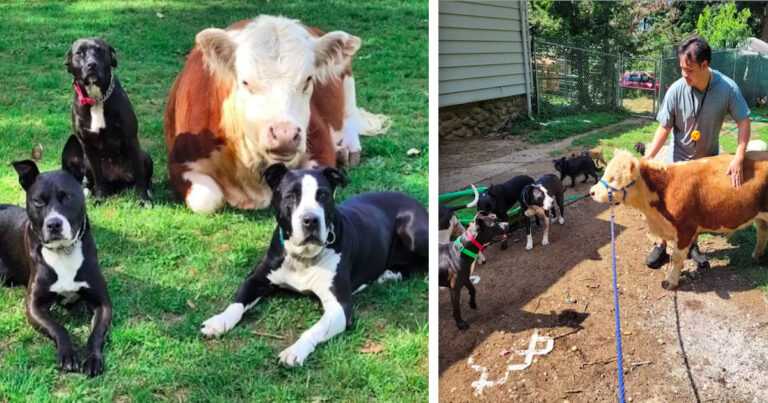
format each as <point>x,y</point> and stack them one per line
<point>168,269</point>
<point>561,127</point>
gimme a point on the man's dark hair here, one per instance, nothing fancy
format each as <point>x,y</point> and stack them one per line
<point>695,49</point>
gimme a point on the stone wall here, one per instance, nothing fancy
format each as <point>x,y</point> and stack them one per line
<point>480,118</point>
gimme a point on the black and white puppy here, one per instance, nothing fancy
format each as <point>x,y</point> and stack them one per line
<point>543,198</point>
<point>49,249</point>
<point>456,264</point>
<point>104,123</point>
<point>575,166</point>
<point>329,251</point>
<point>498,199</point>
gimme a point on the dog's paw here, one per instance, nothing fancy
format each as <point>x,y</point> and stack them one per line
<point>545,241</point>
<point>389,275</point>
<point>561,220</point>
<point>473,304</point>
<point>475,280</point>
<point>295,355</point>
<point>462,325</point>
<point>223,322</point>
<point>93,365</point>
<point>68,360</point>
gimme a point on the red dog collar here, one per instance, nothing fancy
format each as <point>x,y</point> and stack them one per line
<point>470,238</point>
<point>82,99</point>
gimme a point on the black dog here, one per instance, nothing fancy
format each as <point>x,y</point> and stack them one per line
<point>329,251</point>
<point>542,199</point>
<point>104,124</point>
<point>457,258</point>
<point>498,199</point>
<point>575,166</point>
<point>49,249</point>
<point>640,148</point>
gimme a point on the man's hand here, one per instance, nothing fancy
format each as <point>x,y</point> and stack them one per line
<point>735,171</point>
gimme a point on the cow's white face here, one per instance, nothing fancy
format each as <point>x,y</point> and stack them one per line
<point>273,63</point>
<point>620,172</point>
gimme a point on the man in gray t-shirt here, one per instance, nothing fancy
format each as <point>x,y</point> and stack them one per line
<point>693,109</point>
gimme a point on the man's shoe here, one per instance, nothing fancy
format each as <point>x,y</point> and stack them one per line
<point>701,260</point>
<point>657,257</point>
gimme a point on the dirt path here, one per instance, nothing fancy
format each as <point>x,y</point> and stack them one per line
<point>490,160</point>
<point>717,323</point>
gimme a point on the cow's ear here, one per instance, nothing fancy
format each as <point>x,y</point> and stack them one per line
<point>333,54</point>
<point>27,171</point>
<point>274,175</point>
<point>218,50</point>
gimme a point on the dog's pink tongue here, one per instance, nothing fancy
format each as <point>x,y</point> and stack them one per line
<point>81,98</point>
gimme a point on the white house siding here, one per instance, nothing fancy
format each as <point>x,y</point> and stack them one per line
<point>483,51</point>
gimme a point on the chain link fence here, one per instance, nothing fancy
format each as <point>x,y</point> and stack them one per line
<point>570,79</point>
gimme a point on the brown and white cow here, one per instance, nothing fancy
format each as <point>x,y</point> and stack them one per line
<point>262,91</point>
<point>684,199</point>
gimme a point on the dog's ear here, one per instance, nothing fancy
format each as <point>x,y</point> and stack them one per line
<point>72,159</point>
<point>113,56</point>
<point>336,177</point>
<point>27,171</point>
<point>274,174</point>
<point>68,60</point>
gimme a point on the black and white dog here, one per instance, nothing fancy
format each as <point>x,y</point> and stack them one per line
<point>49,249</point>
<point>329,251</point>
<point>457,259</point>
<point>498,199</point>
<point>543,198</point>
<point>104,124</point>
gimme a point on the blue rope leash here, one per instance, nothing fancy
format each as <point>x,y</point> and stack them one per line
<point>619,355</point>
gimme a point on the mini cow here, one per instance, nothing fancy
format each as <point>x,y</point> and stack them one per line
<point>263,91</point>
<point>682,200</point>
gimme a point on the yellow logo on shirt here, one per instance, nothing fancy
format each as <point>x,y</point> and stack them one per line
<point>695,135</point>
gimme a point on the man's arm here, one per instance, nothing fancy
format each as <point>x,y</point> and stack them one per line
<point>658,141</point>
<point>735,168</point>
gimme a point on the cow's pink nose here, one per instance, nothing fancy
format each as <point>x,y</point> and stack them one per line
<point>283,138</point>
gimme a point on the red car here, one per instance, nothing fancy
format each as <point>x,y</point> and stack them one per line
<point>639,80</point>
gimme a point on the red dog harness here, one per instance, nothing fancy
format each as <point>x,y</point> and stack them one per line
<point>468,236</point>
<point>82,99</point>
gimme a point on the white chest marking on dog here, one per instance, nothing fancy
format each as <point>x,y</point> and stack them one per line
<point>97,118</point>
<point>66,267</point>
<point>97,110</point>
<point>318,279</point>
